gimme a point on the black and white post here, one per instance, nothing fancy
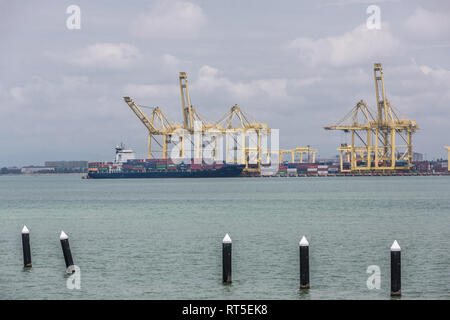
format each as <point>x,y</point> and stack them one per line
<point>66,249</point>
<point>26,247</point>
<point>304,263</point>
<point>396,284</point>
<point>226,259</point>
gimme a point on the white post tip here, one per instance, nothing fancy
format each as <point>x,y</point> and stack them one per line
<point>304,242</point>
<point>226,239</point>
<point>25,230</point>
<point>395,246</point>
<point>63,236</point>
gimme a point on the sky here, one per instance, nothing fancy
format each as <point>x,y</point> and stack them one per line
<point>295,65</point>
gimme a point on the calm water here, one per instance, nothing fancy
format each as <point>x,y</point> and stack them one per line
<point>161,239</point>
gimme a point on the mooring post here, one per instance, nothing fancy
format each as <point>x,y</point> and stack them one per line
<point>396,285</point>
<point>26,247</point>
<point>66,249</point>
<point>304,263</point>
<point>226,259</point>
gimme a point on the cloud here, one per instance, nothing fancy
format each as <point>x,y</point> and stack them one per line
<point>39,86</point>
<point>360,45</point>
<point>208,79</point>
<point>106,55</point>
<point>170,20</point>
<point>151,90</point>
<point>172,64</point>
<point>427,25</point>
<point>439,75</point>
<point>305,82</point>
<point>353,2</point>
<point>171,61</point>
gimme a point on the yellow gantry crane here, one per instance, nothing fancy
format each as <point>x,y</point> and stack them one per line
<point>243,136</point>
<point>448,158</point>
<point>244,139</point>
<point>300,151</point>
<point>157,125</point>
<point>380,142</point>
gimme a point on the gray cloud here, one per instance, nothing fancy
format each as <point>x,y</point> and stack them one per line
<point>297,66</point>
<point>107,55</point>
<point>428,25</point>
<point>360,45</point>
<point>170,20</point>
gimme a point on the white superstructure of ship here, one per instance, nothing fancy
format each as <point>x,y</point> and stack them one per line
<point>123,154</point>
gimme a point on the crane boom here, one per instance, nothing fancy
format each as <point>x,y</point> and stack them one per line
<point>140,114</point>
<point>186,106</point>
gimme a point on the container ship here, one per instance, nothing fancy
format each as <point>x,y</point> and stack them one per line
<point>126,166</point>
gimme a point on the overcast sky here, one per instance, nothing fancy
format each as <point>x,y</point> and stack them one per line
<point>296,65</point>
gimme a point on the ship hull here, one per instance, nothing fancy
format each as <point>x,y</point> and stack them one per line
<point>225,172</point>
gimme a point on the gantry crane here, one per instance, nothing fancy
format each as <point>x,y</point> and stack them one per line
<point>205,132</point>
<point>245,138</point>
<point>374,139</point>
<point>448,158</point>
<point>157,125</point>
<point>300,151</point>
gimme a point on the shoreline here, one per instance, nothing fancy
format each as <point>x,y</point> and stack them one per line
<point>346,174</point>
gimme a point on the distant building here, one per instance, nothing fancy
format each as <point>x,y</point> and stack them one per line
<point>70,165</point>
<point>11,170</point>
<point>417,156</point>
<point>37,169</point>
